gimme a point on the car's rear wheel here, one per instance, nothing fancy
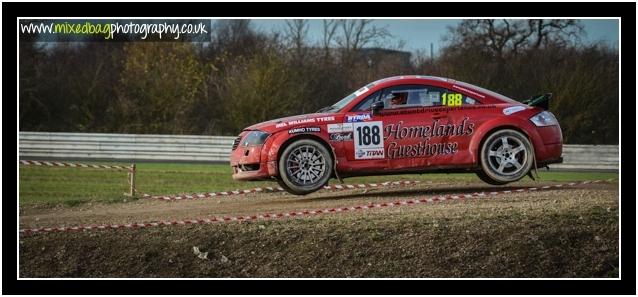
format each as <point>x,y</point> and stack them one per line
<point>305,166</point>
<point>506,156</point>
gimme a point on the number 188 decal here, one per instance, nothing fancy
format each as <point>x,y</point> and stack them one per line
<point>368,140</point>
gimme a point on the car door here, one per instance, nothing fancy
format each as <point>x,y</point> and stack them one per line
<point>364,147</point>
<point>434,135</point>
<point>412,135</point>
<point>392,139</point>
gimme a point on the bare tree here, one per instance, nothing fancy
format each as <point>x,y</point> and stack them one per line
<point>503,37</point>
<point>296,33</point>
<point>329,30</point>
<point>356,34</point>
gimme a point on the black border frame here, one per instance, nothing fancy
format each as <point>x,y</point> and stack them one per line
<point>627,12</point>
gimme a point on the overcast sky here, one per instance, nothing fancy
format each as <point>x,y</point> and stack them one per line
<point>418,34</point>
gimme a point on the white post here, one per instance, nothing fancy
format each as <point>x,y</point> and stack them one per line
<point>132,173</point>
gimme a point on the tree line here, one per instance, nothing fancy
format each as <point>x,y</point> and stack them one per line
<point>244,76</point>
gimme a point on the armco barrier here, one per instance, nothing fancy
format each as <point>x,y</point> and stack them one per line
<point>189,148</point>
<point>124,147</point>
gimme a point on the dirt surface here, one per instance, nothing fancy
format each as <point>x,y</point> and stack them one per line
<point>148,210</point>
<point>571,232</point>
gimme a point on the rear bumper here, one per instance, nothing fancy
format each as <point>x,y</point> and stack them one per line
<point>550,149</point>
<point>553,161</point>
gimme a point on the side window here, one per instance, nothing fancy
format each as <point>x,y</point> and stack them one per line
<point>415,95</point>
<point>366,103</point>
<point>404,96</point>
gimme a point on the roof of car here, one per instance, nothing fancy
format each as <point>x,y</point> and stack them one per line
<point>413,77</point>
<point>453,83</point>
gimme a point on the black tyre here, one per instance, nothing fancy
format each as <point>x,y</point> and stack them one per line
<point>305,166</point>
<point>506,156</point>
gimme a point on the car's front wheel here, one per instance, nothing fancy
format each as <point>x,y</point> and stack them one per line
<point>305,166</point>
<point>506,156</point>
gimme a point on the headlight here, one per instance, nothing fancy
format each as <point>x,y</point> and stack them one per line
<point>543,119</point>
<point>255,138</point>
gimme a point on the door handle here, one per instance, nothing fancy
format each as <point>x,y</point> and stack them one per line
<point>438,115</point>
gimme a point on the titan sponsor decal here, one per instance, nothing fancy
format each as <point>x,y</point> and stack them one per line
<point>304,130</point>
<point>358,118</point>
<point>338,137</point>
<point>425,135</point>
<point>305,121</point>
<point>370,153</point>
<point>513,109</point>
<point>338,128</point>
<point>368,142</point>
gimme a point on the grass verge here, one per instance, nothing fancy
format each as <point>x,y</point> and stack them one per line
<point>73,186</point>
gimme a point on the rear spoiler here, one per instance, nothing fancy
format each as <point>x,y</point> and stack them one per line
<point>541,101</point>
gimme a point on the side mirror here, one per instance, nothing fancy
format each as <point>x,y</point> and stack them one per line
<point>376,107</point>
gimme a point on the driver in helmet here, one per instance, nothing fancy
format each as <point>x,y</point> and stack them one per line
<point>398,99</point>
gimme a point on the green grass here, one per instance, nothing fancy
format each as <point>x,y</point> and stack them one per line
<point>74,186</point>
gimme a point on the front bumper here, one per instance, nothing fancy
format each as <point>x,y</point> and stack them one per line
<point>247,163</point>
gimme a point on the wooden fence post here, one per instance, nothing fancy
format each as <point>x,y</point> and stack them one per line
<point>132,173</point>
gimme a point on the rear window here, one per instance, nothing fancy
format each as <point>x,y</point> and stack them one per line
<point>486,91</point>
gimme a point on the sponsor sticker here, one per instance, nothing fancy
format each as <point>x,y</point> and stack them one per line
<point>358,118</point>
<point>360,91</point>
<point>513,109</point>
<point>338,128</point>
<point>305,121</point>
<point>338,137</point>
<point>304,130</point>
<point>368,140</point>
<point>468,91</point>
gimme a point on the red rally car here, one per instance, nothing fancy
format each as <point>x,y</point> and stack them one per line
<point>404,124</point>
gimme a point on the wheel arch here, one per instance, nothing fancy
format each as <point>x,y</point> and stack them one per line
<point>282,147</point>
<point>477,143</point>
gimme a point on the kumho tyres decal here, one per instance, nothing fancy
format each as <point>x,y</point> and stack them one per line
<point>304,130</point>
<point>397,132</point>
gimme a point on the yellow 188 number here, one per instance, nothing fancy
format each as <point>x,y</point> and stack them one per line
<point>452,99</point>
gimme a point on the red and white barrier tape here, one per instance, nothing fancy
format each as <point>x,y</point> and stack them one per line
<point>64,164</point>
<point>293,214</point>
<point>272,189</point>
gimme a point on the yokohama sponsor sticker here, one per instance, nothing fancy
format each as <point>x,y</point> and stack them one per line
<point>368,140</point>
